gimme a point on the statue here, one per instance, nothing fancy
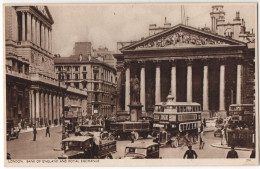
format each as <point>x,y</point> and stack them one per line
<point>135,88</point>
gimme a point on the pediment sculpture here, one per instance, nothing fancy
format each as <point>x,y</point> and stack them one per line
<point>181,38</point>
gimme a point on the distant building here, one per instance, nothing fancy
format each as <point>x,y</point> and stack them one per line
<point>235,30</point>
<point>32,91</point>
<point>106,56</point>
<point>97,77</point>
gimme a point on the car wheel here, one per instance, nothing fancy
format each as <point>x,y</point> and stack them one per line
<point>174,143</point>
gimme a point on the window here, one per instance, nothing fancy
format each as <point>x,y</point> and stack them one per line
<point>42,59</point>
<point>68,76</point>
<point>84,76</point>
<point>76,85</point>
<point>84,85</point>
<point>84,68</point>
<point>76,76</point>
<point>68,68</point>
<point>76,68</point>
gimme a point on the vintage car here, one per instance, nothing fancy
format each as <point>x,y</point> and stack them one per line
<point>142,150</point>
<point>11,131</point>
<point>91,130</point>
<point>87,147</point>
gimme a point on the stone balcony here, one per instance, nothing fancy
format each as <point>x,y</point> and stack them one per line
<point>17,74</point>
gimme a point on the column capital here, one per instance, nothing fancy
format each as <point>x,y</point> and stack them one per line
<point>205,62</point>
<point>173,62</point>
<point>189,62</point>
<point>222,61</point>
<point>157,63</point>
<point>142,63</point>
<point>239,61</point>
<point>127,64</point>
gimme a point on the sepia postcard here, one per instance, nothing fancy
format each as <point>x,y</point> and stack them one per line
<point>135,84</point>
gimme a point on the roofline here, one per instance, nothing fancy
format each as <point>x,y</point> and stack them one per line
<point>184,26</point>
<point>83,62</point>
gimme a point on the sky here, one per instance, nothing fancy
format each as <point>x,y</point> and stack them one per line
<point>106,24</point>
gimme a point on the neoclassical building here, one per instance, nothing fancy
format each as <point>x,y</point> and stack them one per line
<point>195,65</point>
<point>88,73</point>
<point>33,92</point>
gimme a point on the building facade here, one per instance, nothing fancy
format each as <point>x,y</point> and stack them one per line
<point>195,65</point>
<point>33,93</point>
<point>93,75</point>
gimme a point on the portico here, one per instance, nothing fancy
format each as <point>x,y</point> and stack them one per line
<point>196,66</point>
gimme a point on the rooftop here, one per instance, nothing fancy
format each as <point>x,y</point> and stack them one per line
<point>141,144</point>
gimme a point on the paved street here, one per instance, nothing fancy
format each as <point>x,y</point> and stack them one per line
<point>43,148</point>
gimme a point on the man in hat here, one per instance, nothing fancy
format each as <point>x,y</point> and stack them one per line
<point>191,154</point>
<point>232,153</point>
<point>34,133</point>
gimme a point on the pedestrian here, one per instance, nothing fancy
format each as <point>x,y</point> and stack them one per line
<point>202,143</point>
<point>252,154</point>
<point>132,137</point>
<point>201,127</point>
<point>34,133</point>
<point>232,153</point>
<point>9,156</point>
<point>48,131</point>
<point>222,136</point>
<point>19,126</point>
<point>191,154</point>
<point>204,122</point>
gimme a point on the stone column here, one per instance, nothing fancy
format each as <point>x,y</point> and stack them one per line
<point>142,86</point>
<point>29,24</point>
<point>119,69</point>
<point>36,31</point>
<point>46,111</point>
<point>173,80</point>
<point>158,83</point>
<point>46,38</point>
<point>23,25</point>
<point>239,83</point>
<point>42,36</point>
<point>189,81</point>
<point>222,91</point>
<point>42,107</point>
<point>33,30</point>
<point>50,108</point>
<point>205,113</point>
<point>50,40</point>
<point>127,86</point>
<point>54,107</point>
<point>61,108</point>
<point>58,108</point>
<point>33,107</point>
<point>37,108</point>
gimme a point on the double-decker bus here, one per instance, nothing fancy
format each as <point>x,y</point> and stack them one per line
<point>242,132</point>
<point>173,121</point>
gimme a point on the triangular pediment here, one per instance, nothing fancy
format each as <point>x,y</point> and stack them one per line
<point>45,12</point>
<point>181,36</point>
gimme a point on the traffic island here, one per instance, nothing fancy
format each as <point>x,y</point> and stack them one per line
<point>218,145</point>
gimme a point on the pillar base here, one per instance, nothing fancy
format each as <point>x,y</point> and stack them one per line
<point>205,115</point>
<point>222,113</point>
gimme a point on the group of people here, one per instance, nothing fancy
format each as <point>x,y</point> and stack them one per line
<point>35,132</point>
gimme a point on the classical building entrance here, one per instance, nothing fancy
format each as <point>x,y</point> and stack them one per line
<point>195,65</point>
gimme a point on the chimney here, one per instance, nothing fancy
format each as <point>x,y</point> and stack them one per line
<point>152,29</point>
<point>89,57</point>
<point>237,15</point>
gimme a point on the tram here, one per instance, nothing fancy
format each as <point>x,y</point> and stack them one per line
<point>176,122</point>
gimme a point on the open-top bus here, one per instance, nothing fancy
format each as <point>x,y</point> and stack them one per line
<point>175,121</point>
